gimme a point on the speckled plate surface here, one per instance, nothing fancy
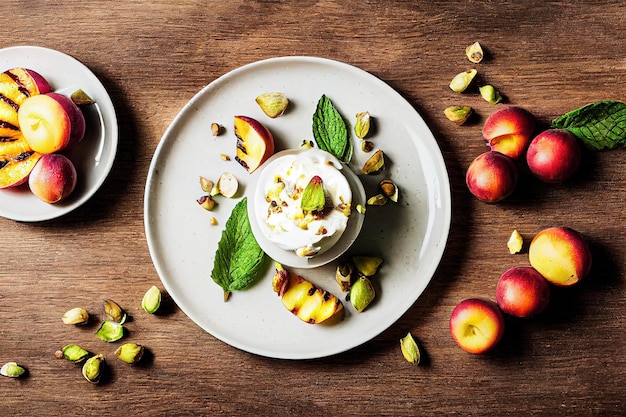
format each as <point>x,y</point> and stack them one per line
<point>409,235</point>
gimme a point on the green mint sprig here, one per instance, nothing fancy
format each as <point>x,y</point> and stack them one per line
<point>330,130</point>
<point>239,259</point>
<point>600,125</point>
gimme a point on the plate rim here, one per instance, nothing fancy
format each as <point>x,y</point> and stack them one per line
<point>111,132</point>
<point>443,183</point>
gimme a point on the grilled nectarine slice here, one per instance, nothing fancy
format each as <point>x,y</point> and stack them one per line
<point>255,142</point>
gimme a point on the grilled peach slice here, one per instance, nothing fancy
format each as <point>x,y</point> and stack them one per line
<point>308,302</point>
<point>255,143</point>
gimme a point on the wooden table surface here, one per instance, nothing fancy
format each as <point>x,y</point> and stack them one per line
<point>154,56</point>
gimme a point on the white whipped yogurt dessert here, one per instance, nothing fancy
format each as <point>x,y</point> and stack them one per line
<point>282,219</point>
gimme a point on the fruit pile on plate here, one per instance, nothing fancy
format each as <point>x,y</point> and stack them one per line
<point>35,125</point>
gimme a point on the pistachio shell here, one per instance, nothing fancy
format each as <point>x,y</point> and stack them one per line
<point>474,53</point>
<point>343,276</point>
<point>227,185</point>
<point>374,164</point>
<point>113,312</point>
<point>206,184</point>
<point>362,126</point>
<point>377,200</point>
<point>389,189</point>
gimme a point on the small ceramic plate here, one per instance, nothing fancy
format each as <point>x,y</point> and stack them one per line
<point>93,156</point>
<point>409,235</point>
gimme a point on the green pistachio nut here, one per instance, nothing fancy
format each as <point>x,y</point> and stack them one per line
<point>151,300</point>
<point>410,350</point>
<point>367,265</point>
<point>130,352</point>
<point>93,368</point>
<point>74,353</point>
<point>462,80</point>
<point>490,94</point>
<point>76,316</point>
<point>361,293</point>
<point>110,331</point>
<point>12,370</point>
<point>458,114</point>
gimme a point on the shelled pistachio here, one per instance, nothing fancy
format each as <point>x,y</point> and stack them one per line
<point>93,368</point>
<point>76,315</point>
<point>151,300</point>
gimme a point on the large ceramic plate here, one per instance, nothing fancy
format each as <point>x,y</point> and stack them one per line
<point>93,156</point>
<point>410,235</point>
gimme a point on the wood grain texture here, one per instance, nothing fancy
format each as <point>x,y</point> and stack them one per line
<point>153,56</point>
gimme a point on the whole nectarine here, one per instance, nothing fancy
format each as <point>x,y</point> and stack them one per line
<point>491,177</point>
<point>561,255</point>
<point>522,292</point>
<point>53,178</point>
<point>553,155</point>
<point>476,325</point>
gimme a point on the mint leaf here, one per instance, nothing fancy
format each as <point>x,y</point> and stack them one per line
<point>330,131</point>
<point>600,125</point>
<point>239,259</point>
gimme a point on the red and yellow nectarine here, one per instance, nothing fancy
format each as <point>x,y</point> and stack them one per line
<point>554,155</point>
<point>522,292</point>
<point>509,131</point>
<point>51,122</point>
<point>491,177</point>
<point>561,255</point>
<point>476,325</point>
<point>53,178</point>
